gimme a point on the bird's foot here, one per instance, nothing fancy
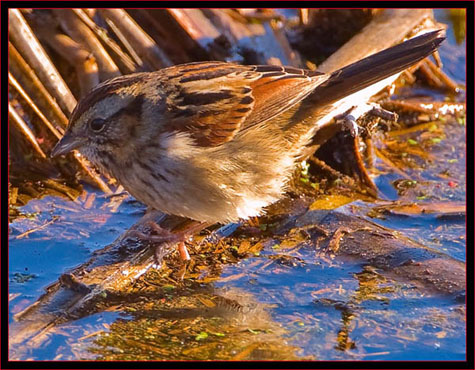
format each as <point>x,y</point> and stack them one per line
<point>348,119</point>
<point>166,240</point>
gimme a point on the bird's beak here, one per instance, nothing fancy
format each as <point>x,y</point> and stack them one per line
<point>67,143</point>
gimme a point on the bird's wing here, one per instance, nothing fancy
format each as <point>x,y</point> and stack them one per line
<point>212,101</point>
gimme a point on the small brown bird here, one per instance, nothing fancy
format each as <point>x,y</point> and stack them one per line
<point>215,141</point>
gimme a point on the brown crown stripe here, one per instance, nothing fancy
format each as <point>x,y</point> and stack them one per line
<point>104,90</point>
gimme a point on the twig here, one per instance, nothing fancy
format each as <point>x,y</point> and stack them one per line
<point>33,106</point>
<point>390,164</point>
<point>442,76</point>
<point>90,335</point>
<point>46,28</point>
<point>256,43</point>
<point>369,152</point>
<point>82,60</point>
<point>437,59</point>
<point>406,106</point>
<point>37,228</point>
<point>21,124</point>
<point>431,76</point>
<point>408,130</point>
<point>409,77</point>
<point>332,171</point>
<point>62,188</point>
<point>196,25</point>
<point>87,167</point>
<point>430,108</point>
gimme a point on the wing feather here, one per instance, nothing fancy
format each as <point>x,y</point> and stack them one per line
<point>212,101</point>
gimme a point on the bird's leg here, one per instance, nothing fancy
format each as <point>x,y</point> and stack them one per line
<point>185,256</point>
<point>347,121</point>
<point>179,237</point>
<point>166,238</point>
<point>149,220</point>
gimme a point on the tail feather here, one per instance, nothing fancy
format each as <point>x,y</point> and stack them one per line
<point>376,67</point>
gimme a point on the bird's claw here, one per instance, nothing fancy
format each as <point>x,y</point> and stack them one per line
<point>348,119</point>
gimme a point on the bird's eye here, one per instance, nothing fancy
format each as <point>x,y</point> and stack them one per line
<point>97,124</point>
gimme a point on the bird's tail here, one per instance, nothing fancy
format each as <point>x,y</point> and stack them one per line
<point>376,67</point>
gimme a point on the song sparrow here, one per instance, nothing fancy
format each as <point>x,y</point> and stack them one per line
<point>215,141</point>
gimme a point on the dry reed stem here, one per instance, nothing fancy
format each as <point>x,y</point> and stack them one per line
<point>31,49</point>
<point>13,82</point>
<point>126,43</point>
<point>81,59</point>
<point>27,78</point>
<point>46,28</point>
<point>196,25</point>
<point>123,60</point>
<point>83,35</point>
<point>385,30</point>
<point>145,46</point>
<point>446,80</point>
<point>23,127</point>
